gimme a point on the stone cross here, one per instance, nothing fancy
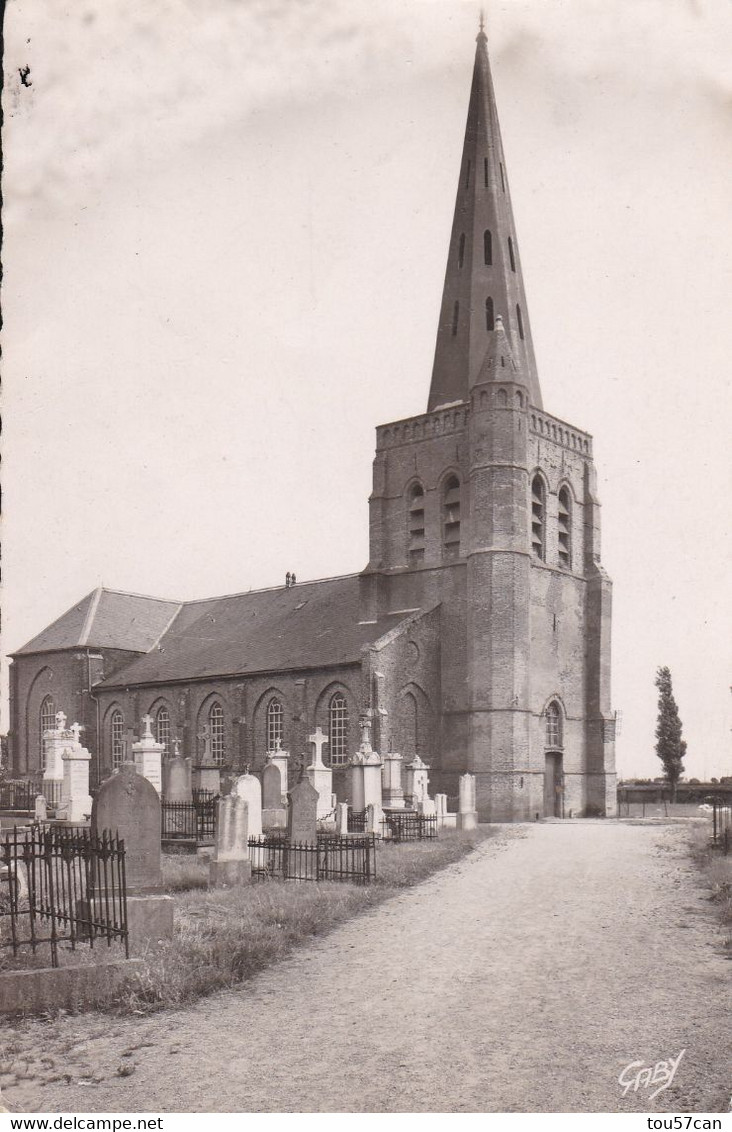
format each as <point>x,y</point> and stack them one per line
<point>60,721</point>
<point>76,730</point>
<point>176,748</point>
<point>147,721</point>
<point>319,740</point>
<point>205,737</point>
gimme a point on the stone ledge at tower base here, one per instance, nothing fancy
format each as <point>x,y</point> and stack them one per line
<point>54,988</point>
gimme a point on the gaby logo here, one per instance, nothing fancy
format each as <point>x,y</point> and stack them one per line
<point>637,1075</point>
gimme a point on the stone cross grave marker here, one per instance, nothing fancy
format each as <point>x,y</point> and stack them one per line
<point>319,740</point>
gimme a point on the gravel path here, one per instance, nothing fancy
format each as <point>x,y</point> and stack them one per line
<point>523,978</point>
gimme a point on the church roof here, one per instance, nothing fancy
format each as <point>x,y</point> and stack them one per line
<point>107,619</point>
<point>483,278</point>
<point>309,625</point>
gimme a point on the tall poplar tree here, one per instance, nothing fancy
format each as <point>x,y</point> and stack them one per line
<point>670,747</point>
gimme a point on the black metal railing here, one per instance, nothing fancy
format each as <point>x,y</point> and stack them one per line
<point>721,823</point>
<point>189,821</point>
<point>408,825</point>
<point>356,821</point>
<point>351,859</point>
<point>61,885</point>
<point>19,797</point>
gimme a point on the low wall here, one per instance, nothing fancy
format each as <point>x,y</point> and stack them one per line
<point>51,988</point>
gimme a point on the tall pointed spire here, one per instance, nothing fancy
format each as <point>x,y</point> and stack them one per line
<point>483,278</point>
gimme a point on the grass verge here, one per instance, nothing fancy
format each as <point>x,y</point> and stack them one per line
<point>716,870</point>
<point>224,936</point>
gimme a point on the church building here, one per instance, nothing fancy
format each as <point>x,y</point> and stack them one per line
<point>478,634</point>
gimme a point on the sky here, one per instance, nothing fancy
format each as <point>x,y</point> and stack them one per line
<point>225,237</point>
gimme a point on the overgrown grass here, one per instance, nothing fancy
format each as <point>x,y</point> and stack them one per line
<point>224,936</point>
<point>716,870</point>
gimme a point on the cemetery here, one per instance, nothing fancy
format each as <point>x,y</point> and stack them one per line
<point>165,863</point>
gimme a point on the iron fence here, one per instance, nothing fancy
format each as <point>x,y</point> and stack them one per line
<point>189,821</point>
<point>408,825</point>
<point>61,885</point>
<point>19,796</point>
<point>721,823</point>
<point>332,857</point>
<point>356,821</point>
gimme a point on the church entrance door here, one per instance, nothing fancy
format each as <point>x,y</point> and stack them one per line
<point>553,785</point>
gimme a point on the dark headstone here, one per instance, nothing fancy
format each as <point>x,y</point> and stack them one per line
<point>302,812</point>
<point>127,804</point>
<point>271,788</point>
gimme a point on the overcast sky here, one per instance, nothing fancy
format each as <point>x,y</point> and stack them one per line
<point>225,236</point>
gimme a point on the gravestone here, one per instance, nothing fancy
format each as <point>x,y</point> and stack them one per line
<point>207,770</point>
<point>127,804</point>
<point>178,777</point>
<point>341,818</point>
<point>320,775</point>
<point>417,781</point>
<point>467,814</point>
<point>274,813</point>
<point>302,814</point>
<point>55,742</point>
<point>365,772</point>
<point>391,781</point>
<point>280,759</point>
<point>40,812</point>
<point>231,863</point>
<point>148,755</point>
<point>248,787</point>
<point>76,803</point>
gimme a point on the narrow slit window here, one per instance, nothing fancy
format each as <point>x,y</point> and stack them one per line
<point>520,322</point>
<point>338,730</point>
<point>485,171</point>
<point>451,518</point>
<point>117,739</point>
<point>415,525</point>
<point>455,318</point>
<point>487,248</point>
<point>461,251</point>
<point>490,322</point>
<point>467,176</point>
<point>216,724</point>
<point>511,256</point>
<point>503,179</point>
<point>275,725</point>
<point>553,725</point>
<point>538,517</point>
<point>565,529</point>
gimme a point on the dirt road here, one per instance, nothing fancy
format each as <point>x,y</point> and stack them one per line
<point>524,978</point>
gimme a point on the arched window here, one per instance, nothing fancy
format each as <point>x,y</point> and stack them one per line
<point>451,518</point>
<point>490,322</point>
<point>216,723</point>
<point>455,318</point>
<point>162,729</point>
<point>117,738</point>
<point>338,730</point>
<point>511,255</point>
<point>565,528</point>
<point>415,524</point>
<point>520,321</point>
<point>553,725</point>
<point>461,250</point>
<point>275,725</point>
<point>487,248</point>
<point>46,719</point>
<point>538,517</point>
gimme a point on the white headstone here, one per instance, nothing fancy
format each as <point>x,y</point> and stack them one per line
<point>248,787</point>
<point>319,775</point>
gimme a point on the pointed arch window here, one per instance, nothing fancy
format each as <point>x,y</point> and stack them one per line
<point>511,256</point>
<point>553,725</point>
<point>218,740</point>
<point>490,320</point>
<point>162,729</point>
<point>117,738</point>
<point>455,318</point>
<point>461,251</point>
<point>538,517</point>
<point>565,528</point>
<point>46,719</point>
<point>520,322</point>
<point>487,247</point>
<point>275,725</point>
<point>338,730</point>
<point>451,518</point>
<point>415,524</point>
